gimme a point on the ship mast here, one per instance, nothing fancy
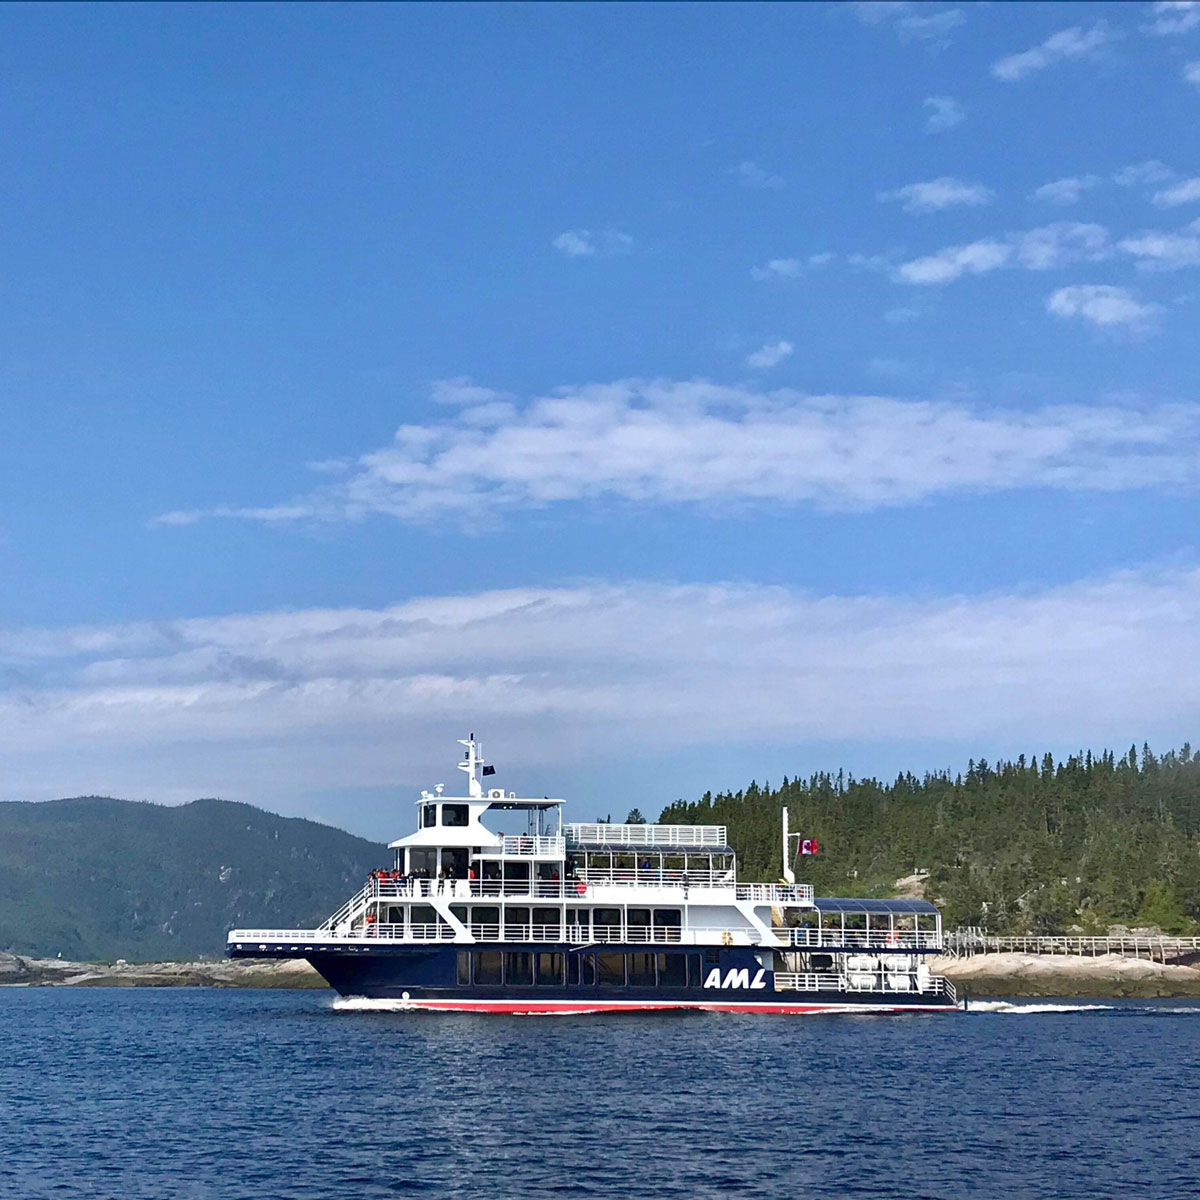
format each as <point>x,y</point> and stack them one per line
<point>474,759</point>
<point>788,874</point>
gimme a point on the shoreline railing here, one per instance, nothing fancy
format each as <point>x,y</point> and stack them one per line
<point>964,943</point>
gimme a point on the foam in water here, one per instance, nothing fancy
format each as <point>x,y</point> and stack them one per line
<point>1008,1006</point>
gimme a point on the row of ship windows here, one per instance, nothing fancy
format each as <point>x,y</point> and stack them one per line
<point>528,968</point>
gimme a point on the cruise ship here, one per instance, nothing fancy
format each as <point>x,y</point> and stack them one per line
<point>495,904</point>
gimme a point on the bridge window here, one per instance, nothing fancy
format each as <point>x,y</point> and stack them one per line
<point>428,815</point>
<point>610,969</point>
<point>550,970</point>
<point>488,966</point>
<point>455,814</point>
<point>518,968</point>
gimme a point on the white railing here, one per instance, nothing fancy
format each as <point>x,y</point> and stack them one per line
<point>882,941</point>
<point>776,893</point>
<point>278,935</point>
<point>543,847</point>
<point>885,982</point>
<point>647,835</point>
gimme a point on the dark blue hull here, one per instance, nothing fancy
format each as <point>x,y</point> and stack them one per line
<point>549,978</point>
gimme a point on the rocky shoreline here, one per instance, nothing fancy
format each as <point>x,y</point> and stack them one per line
<point>21,971</point>
<point>1106,975</point>
<point>1109,975</point>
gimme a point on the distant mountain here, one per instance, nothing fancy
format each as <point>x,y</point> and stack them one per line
<point>96,878</point>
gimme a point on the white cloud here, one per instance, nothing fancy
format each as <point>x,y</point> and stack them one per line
<point>791,268</point>
<point>1040,249</point>
<point>265,706</point>
<point>933,195</point>
<point>1072,43</point>
<point>582,243</point>
<point>911,22</point>
<point>1102,305</point>
<point>695,443</point>
<point>751,175</point>
<point>1174,16</point>
<point>1164,251</point>
<point>949,264</point>
<point>1066,191</point>
<point>1191,72</point>
<point>1185,192</point>
<point>770,355</point>
<point>1142,174</point>
<point>944,113</point>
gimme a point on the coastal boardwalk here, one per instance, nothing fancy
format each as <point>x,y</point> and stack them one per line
<point>1183,951</point>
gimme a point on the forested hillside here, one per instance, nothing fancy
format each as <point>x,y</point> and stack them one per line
<point>1031,845</point>
<point>95,878</point>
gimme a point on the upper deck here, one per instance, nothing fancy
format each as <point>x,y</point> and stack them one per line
<point>604,836</point>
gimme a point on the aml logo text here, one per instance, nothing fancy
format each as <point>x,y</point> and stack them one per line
<point>736,979</point>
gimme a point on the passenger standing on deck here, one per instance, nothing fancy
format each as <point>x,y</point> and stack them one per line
<point>441,880</point>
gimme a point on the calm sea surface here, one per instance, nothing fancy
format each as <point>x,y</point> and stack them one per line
<point>256,1095</point>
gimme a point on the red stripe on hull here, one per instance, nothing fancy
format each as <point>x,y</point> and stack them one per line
<point>579,1008</point>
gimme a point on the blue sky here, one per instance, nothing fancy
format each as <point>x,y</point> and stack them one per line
<point>672,394</point>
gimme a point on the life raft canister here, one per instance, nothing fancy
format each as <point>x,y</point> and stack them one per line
<point>581,889</point>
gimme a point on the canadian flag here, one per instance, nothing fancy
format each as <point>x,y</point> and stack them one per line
<point>809,846</point>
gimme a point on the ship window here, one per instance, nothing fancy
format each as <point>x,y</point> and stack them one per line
<point>548,922</point>
<point>611,969</point>
<point>672,970</point>
<point>516,923</point>
<point>550,970</point>
<point>423,862</point>
<point>464,968</point>
<point>667,918</point>
<point>641,970</point>
<point>606,924</point>
<point>428,815</point>
<point>695,971</point>
<point>712,956</point>
<point>518,967</point>
<point>487,966</point>
<point>639,916</point>
<point>423,914</point>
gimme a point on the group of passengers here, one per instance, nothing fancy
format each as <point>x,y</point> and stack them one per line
<point>417,882</point>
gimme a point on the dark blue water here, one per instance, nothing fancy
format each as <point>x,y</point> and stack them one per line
<point>256,1095</point>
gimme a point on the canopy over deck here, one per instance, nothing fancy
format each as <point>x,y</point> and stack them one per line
<point>854,904</point>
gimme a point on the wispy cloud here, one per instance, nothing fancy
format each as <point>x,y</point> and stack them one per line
<point>791,268</point>
<point>1073,43</point>
<point>770,355</point>
<point>1191,72</point>
<point>751,175</point>
<point>944,113</point>
<point>1056,245</point>
<point>262,706</point>
<point>933,195</point>
<point>662,442</point>
<point>1102,305</point>
<point>1164,251</point>
<point>1174,16</point>
<point>587,243</point>
<point>911,22</point>
<point>1187,191</point>
<point>1066,191</point>
<point>1143,174</point>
